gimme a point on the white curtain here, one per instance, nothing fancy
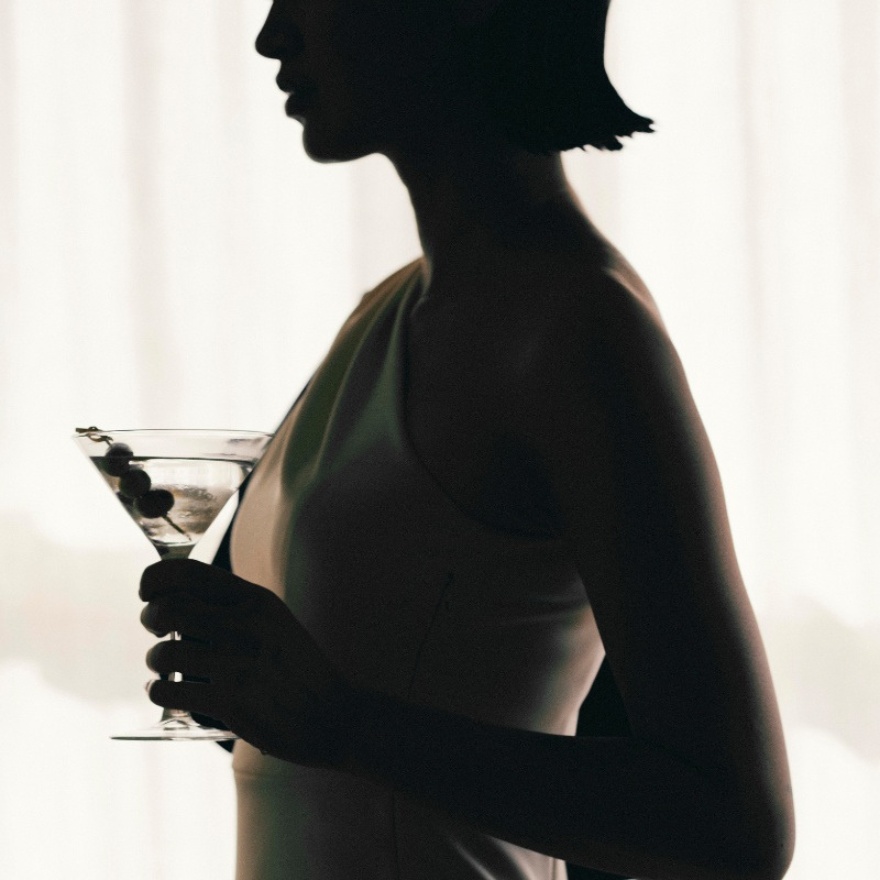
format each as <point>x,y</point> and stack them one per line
<point>169,257</point>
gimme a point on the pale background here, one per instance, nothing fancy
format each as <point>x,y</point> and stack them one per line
<point>169,257</point>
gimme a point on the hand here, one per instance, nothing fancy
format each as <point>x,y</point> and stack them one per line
<point>261,673</point>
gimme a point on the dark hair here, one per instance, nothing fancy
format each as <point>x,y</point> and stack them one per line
<point>538,68</point>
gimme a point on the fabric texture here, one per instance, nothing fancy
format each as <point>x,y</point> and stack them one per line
<point>408,595</point>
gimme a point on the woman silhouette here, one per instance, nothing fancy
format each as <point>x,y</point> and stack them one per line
<point>496,478</point>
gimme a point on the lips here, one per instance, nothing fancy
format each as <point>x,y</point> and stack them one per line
<point>289,82</point>
<point>297,104</point>
<point>302,93</point>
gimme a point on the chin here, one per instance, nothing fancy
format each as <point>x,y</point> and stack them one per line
<point>328,144</point>
<point>327,154</point>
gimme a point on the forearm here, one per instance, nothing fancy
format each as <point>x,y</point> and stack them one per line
<point>613,804</point>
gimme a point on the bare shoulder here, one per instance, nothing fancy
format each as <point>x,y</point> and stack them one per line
<point>585,321</point>
<point>499,367</point>
<point>607,402</point>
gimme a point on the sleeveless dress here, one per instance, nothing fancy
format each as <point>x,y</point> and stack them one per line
<point>407,595</point>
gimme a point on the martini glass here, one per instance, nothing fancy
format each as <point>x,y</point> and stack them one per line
<point>173,484</point>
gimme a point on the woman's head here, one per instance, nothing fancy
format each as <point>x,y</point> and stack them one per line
<point>530,71</point>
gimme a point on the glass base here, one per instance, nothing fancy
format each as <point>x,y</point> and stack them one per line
<point>180,727</point>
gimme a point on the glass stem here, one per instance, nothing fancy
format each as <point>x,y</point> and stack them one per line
<point>174,676</point>
<point>181,552</point>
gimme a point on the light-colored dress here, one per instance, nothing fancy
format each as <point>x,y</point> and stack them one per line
<point>408,595</point>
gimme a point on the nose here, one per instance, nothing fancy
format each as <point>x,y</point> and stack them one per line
<point>278,38</point>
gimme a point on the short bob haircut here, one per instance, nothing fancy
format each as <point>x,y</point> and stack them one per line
<point>538,68</point>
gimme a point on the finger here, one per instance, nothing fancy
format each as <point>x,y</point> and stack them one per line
<point>205,699</point>
<point>167,614</point>
<point>177,656</point>
<point>193,659</point>
<point>221,627</point>
<point>207,582</point>
<point>186,638</point>
<point>157,619</point>
<point>208,721</point>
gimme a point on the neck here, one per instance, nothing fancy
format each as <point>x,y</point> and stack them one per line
<point>475,196</point>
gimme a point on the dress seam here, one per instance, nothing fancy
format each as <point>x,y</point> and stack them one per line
<point>450,577</point>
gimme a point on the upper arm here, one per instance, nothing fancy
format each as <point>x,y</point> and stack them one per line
<point>642,509</point>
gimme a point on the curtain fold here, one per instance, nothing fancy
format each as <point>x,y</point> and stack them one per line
<point>170,257</point>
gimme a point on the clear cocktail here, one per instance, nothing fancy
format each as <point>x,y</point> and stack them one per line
<point>173,483</point>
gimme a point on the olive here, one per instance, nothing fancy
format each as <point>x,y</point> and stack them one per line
<point>155,503</point>
<point>117,459</point>
<point>134,483</point>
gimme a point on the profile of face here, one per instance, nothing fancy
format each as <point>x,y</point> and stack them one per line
<point>365,76</point>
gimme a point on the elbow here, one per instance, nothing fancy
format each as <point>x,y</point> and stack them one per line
<point>769,865</point>
<point>776,856</point>
<point>749,858</point>
<point>766,852</point>
<point>746,837</point>
<point>777,834</point>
